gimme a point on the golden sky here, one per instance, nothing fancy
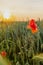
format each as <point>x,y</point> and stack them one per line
<point>31,8</point>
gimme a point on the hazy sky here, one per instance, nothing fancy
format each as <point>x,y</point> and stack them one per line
<point>31,8</point>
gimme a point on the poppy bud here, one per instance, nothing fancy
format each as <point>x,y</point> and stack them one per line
<point>3,53</point>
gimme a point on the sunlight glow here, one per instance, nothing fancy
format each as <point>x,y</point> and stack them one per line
<point>6,14</point>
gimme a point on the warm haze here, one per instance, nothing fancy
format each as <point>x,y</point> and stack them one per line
<point>29,8</point>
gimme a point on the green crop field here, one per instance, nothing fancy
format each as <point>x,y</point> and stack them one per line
<point>20,45</point>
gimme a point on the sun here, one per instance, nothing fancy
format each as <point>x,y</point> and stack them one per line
<point>6,14</point>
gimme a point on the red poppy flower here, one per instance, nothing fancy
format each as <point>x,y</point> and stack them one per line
<point>33,26</point>
<point>3,53</point>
